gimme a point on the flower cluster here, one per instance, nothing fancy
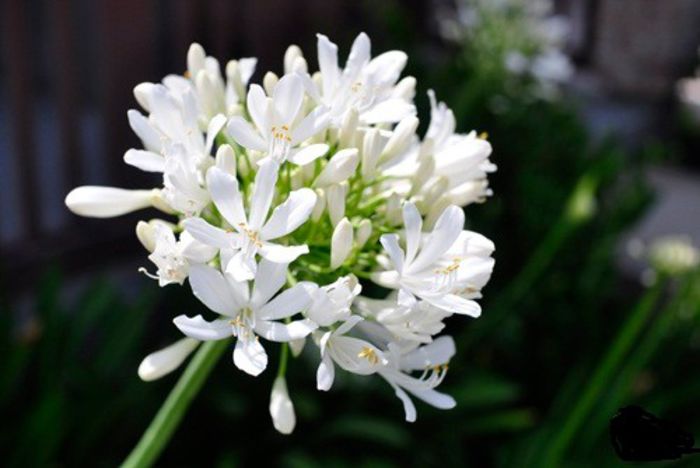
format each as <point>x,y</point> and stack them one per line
<point>523,35</point>
<point>284,198</point>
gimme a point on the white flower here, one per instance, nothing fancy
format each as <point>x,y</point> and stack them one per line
<point>278,129</point>
<point>281,407</point>
<point>365,84</point>
<point>156,365</point>
<point>247,315</point>
<point>432,360</point>
<point>331,303</point>
<point>447,267</point>
<point>173,257</point>
<point>352,354</point>
<point>252,234</point>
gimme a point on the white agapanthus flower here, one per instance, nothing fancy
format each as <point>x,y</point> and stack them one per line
<point>277,198</point>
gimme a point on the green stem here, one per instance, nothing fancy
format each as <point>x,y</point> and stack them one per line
<point>173,409</point>
<point>603,375</point>
<point>284,357</point>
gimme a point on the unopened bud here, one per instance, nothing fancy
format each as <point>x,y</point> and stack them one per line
<point>226,159</point>
<point>340,168</point>
<point>341,243</point>
<point>364,230</point>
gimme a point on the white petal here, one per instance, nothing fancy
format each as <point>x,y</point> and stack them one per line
<point>199,329</point>
<point>408,407</point>
<point>215,125</point>
<point>434,398</point>
<point>106,202</point>
<point>264,190</point>
<point>340,167</point>
<point>282,253</point>
<point>210,287</point>
<point>308,154</point>
<point>241,267</point>
<point>144,130</point>
<point>287,303</point>
<point>243,133</point>
<point>455,304</point>
<point>281,407</point>
<point>313,123</point>
<point>156,365</point>
<point>325,374</point>
<point>341,243</point>
<point>389,111</point>
<point>147,161</point>
<point>291,214</point>
<point>327,63</point>
<point>269,279</point>
<point>208,234</point>
<point>287,98</point>
<point>446,231</point>
<point>283,332</point>
<point>433,354</point>
<point>359,55</point>
<point>257,108</point>
<point>250,357</point>
<point>224,191</point>
<point>226,159</point>
<point>390,242</point>
<point>413,223</point>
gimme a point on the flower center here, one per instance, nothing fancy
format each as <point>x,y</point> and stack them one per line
<point>281,142</point>
<point>242,325</point>
<point>369,354</point>
<point>252,237</point>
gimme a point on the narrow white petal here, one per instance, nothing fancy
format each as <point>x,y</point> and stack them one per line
<point>156,365</point>
<point>390,242</point>
<point>269,279</point>
<point>316,121</point>
<point>327,63</point>
<point>434,398</point>
<point>284,332</point>
<point>199,329</point>
<point>144,130</point>
<point>147,161</point>
<point>250,357</point>
<point>241,131</point>
<point>210,287</point>
<point>106,202</point>
<point>208,234</point>
<point>215,125</point>
<point>433,354</point>
<point>340,167</point>
<point>408,407</point>
<point>308,154</point>
<point>291,214</point>
<point>224,191</point>
<point>257,108</point>
<point>455,304</point>
<point>389,111</point>
<point>241,267</point>
<point>282,253</point>
<point>287,98</point>
<point>289,302</point>
<point>446,231</point>
<point>359,55</point>
<point>264,190</point>
<point>414,224</point>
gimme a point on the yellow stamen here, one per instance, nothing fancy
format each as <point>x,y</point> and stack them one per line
<point>369,354</point>
<point>484,135</point>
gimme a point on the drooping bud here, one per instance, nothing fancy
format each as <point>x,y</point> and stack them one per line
<point>160,363</point>
<point>281,407</point>
<point>341,243</point>
<point>106,202</point>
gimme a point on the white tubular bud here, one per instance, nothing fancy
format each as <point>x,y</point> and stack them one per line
<point>226,159</point>
<point>335,201</point>
<point>340,168</point>
<point>195,59</point>
<point>162,362</point>
<point>341,243</point>
<point>364,230</point>
<point>206,89</point>
<point>406,88</point>
<point>320,205</point>
<point>435,211</point>
<point>293,52</point>
<point>348,130</point>
<point>394,213</point>
<point>142,93</point>
<point>106,202</point>
<point>146,235</point>
<point>400,139</point>
<point>425,171</point>
<point>282,408</point>
<point>269,82</point>
<point>371,149</point>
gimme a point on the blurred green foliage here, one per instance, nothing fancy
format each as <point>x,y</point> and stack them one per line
<point>70,395</point>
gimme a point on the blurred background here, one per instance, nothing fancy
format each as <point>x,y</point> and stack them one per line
<point>594,116</point>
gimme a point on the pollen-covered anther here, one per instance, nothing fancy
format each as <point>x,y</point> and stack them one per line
<point>369,354</point>
<point>252,235</point>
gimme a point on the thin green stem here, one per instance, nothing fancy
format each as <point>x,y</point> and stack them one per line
<point>603,375</point>
<point>174,407</point>
<point>284,357</point>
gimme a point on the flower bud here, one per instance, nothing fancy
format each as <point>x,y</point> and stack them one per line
<point>146,235</point>
<point>293,52</point>
<point>394,213</point>
<point>209,95</point>
<point>297,346</point>
<point>335,201</point>
<point>371,149</point>
<point>300,66</point>
<point>106,202</point>
<point>281,407</point>
<point>364,230</point>
<point>400,139</point>
<point>142,93</point>
<point>340,168</point>
<point>320,205</point>
<point>196,58</point>
<point>406,88</point>
<point>348,129</point>
<point>226,159</point>
<point>269,82</point>
<point>162,362</point>
<point>341,243</point>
